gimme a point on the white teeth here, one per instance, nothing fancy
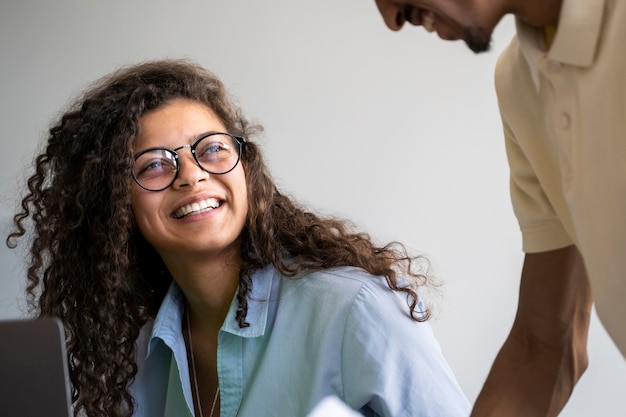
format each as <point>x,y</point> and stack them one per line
<point>428,21</point>
<point>197,207</point>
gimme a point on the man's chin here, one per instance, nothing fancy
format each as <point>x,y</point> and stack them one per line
<point>479,48</point>
<point>477,40</point>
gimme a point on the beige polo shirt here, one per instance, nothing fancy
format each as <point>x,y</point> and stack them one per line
<point>564,117</point>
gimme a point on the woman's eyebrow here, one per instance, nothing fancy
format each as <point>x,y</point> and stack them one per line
<point>210,132</point>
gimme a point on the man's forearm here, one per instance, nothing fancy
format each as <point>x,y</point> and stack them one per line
<point>530,381</point>
<point>545,354</point>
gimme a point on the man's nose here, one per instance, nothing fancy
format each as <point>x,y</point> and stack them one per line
<point>392,14</point>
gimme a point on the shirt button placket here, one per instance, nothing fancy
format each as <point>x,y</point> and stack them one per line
<point>564,100</point>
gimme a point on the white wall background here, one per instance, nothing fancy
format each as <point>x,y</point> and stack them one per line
<point>333,87</point>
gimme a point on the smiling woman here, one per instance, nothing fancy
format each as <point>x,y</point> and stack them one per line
<point>189,284</point>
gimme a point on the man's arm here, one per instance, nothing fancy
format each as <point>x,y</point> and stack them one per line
<point>546,352</point>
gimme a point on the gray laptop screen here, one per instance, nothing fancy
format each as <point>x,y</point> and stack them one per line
<point>33,369</point>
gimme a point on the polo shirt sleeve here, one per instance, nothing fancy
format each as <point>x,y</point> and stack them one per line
<point>538,220</point>
<point>392,365</point>
<point>540,225</point>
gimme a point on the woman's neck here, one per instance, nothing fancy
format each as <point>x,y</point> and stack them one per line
<point>209,285</point>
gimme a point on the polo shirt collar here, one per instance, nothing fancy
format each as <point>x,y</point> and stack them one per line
<point>576,39</point>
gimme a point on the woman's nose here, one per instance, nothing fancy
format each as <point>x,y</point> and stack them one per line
<point>392,14</point>
<point>189,172</point>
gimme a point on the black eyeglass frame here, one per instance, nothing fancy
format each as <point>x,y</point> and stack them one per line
<point>240,140</point>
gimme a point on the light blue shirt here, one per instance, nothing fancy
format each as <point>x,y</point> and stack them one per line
<point>338,332</point>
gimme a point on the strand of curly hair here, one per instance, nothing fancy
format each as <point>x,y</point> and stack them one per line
<point>89,265</point>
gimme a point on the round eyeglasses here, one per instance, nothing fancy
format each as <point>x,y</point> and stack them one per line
<point>155,169</point>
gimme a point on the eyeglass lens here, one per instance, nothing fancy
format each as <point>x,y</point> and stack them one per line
<point>156,169</point>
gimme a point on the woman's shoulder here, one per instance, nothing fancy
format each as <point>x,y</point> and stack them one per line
<point>343,288</point>
<point>340,280</point>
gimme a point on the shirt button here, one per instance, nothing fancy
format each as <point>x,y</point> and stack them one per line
<point>565,120</point>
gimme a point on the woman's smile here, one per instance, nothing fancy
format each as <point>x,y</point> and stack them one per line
<point>198,207</point>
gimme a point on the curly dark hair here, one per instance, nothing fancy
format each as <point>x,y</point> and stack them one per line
<point>90,266</point>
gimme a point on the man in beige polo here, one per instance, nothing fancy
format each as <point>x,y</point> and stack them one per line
<point>561,87</point>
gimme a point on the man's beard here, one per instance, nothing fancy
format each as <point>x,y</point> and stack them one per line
<point>477,40</point>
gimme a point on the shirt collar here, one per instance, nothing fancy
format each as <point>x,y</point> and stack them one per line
<point>263,281</point>
<point>168,322</point>
<point>576,39</point>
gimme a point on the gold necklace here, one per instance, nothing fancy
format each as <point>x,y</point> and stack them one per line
<point>193,371</point>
